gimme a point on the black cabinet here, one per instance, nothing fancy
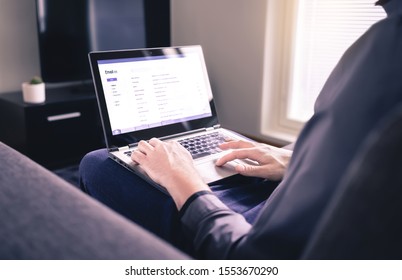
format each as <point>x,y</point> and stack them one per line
<point>55,133</point>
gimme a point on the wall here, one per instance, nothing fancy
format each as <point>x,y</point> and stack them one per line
<point>232,35</point>
<point>19,54</point>
<point>230,31</point>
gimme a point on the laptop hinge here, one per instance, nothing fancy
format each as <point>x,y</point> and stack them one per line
<point>116,149</point>
<point>212,127</point>
<point>113,149</point>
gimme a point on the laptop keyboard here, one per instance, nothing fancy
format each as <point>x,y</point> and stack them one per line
<point>201,145</point>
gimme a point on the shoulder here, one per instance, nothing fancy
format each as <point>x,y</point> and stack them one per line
<point>384,33</point>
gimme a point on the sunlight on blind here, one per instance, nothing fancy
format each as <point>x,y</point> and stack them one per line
<point>325,29</point>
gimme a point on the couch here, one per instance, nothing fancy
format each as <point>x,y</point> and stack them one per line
<point>44,217</point>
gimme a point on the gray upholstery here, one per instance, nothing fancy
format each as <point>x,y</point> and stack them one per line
<point>44,217</point>
<point>364,219</point>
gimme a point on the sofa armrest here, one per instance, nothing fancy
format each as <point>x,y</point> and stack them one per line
<point>44,217</point>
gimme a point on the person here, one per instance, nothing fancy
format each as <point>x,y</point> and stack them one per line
<point>268,211</point>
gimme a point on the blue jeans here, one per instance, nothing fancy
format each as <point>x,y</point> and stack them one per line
<point>137,200</point>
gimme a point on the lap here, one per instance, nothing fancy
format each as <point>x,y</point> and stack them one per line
<point>126,193</point>
<point>139,201</point>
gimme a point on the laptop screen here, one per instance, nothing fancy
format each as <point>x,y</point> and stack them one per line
<point>147,92</point>
<point>151,92</point>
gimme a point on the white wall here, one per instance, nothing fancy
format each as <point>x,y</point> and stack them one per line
<point>232,35</point>
<point>230,31</point>
<point>19,54</point>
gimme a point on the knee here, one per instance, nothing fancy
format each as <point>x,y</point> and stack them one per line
<point>93,158</point>
<point>90,166</point>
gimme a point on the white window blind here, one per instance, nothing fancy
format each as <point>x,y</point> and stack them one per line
<point>324,30</point>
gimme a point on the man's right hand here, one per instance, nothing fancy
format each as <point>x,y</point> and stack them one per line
<point>266,161</point>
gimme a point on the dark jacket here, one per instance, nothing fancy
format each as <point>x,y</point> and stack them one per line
<point>363,87</point>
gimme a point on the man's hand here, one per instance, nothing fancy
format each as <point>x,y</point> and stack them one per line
<point>170,165</point>
<point>265,161</point>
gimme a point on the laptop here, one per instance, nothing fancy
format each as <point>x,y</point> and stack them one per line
<point>163,93</point>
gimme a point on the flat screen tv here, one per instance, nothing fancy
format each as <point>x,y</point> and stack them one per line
<point>69,29</point>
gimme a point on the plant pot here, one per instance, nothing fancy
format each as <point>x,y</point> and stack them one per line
<point>33,93</point>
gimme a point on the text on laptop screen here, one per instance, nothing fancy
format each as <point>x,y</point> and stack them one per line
<point>146,92</point>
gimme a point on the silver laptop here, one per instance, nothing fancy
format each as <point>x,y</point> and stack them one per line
<point>164,93</point>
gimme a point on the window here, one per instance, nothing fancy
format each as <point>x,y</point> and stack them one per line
<point>304,41</point>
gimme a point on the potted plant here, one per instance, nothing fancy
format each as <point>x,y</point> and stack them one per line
<point>34,90</point>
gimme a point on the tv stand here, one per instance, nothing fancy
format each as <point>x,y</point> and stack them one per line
<point>55,133</point>
<point>83,89</point>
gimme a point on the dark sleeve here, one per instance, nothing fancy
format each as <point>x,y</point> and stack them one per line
<point>214,228</point>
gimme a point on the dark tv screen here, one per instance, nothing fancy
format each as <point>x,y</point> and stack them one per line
<point>69,29</point>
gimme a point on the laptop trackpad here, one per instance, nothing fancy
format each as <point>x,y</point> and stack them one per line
<point>211,173</point>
